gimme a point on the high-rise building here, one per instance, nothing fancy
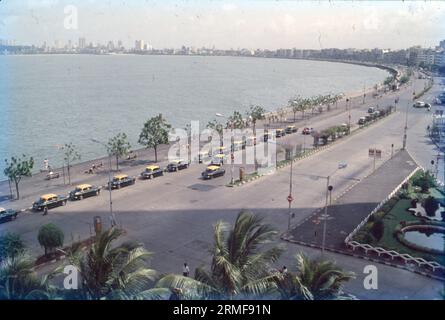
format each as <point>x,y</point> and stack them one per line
<point>82,43</point>
<point>442,44</point>
<point>139,45</point>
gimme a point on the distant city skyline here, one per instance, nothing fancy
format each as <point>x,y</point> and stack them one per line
<point>225,25</point>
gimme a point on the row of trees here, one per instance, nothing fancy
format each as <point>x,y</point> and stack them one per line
<point>241,267</point>
<point>153,134</point>
<point>299,104</point>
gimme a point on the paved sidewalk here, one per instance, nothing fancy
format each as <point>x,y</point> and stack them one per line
<point>350,209</point>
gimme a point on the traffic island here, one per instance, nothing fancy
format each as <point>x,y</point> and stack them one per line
<point>352,211</point>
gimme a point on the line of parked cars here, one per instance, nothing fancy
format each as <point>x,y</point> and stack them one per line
<point>373,113</point>
<point>82,191</point>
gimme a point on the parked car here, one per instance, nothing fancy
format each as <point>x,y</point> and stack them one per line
<point>362,120</point>
<point>279,133</point>
<point>7,215</point>
<point>368,118</point>
<point>84,191</point>
<point>307,130</point>
<point>371,110</point>
<point>177,165</point>
<point>213,172</point>
<point>48,201</point>
<point>52,175</point>
<point>291,129</point>
<point>219,159</point>
<point>151,172</point>
<point>121,180</point>
<point>419,104</point>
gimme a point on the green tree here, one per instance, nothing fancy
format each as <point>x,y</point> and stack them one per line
<point>255,113</point>
<point>236,121</point>
<point>17,168</point>
<point>314,280</point>
<point>70,155</point>
<point>119,146</point>
<point>18,280</point>
<point>154,133</point>
<point>218,127</point>
<point>50,237</point>
<point>115,272</point>
<point>11,245</point>
<point>240,262</point>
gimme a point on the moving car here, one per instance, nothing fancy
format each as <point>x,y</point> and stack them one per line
<point>307,130</point>
<point>52,175</point>
<point>177,165</point>
<point>84,191</point>
<point>419,104</point>
<point>213,172</point>
<point>7,215</point>
<point>151,172</point>
<point>48,201</point>
<point>221,150</point>
<point>121,180</point>
<point>291,129</point>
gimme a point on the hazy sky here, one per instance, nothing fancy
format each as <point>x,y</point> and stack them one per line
<point>229,24</point>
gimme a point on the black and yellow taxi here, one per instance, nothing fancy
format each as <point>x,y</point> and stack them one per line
<point>48,201</point>
<point>121,180</point>
<point>83,191</point>
<point>213,171</point>
<point>280,133</point>
<point>7,215</point>
<point>151,172</point>
<point>291,129</point>
<point>177,165</point>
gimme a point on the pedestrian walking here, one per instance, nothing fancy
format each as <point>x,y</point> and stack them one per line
<point>186,270</point>
<point>45,211</point>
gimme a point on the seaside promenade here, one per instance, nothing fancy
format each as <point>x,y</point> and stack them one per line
<point>173,215</point>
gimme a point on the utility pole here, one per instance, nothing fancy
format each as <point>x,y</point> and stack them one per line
<point>289,198</point>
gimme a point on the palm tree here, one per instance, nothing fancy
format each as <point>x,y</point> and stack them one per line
<point>18,280</point>
<point>318,279</point>
<point>240,265</point>
<point>114,273</point>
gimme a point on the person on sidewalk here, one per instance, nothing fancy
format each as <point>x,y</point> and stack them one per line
<point>186,270</point>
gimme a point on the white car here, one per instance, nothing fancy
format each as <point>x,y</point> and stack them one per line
<point>419,104</point>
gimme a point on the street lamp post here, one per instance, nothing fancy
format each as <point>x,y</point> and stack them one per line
<point>112,217</point>
<point>325,215</point>
<point>232,147</point>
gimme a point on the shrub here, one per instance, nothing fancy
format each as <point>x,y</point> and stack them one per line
<point>50,237</point>
<point>424,181</point>
<point>431,205</point>
<point>11,245</point>
<point>378,229</point>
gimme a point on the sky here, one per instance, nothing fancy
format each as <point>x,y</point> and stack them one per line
<point>227,24</point>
